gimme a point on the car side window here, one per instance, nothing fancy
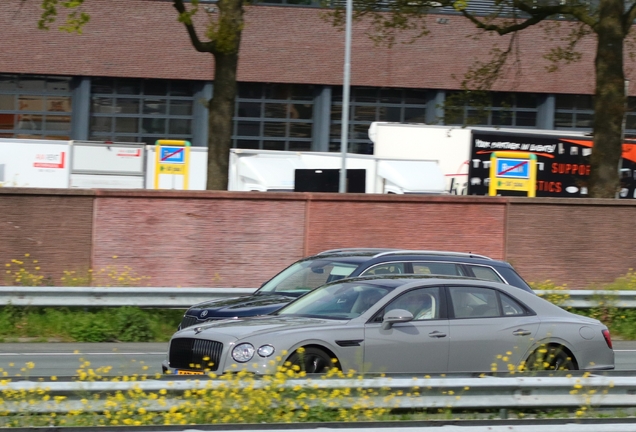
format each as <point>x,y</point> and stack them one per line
<point>308,278</point>
<point>486,273</point>
<point>387,268</point>
<point>510,306</point>
<point>474,302</point>
<point>423,303</point>
<point>439,268</point>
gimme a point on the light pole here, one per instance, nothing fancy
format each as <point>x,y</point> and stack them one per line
<point>344,133</point>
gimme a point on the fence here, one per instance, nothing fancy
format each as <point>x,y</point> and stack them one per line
<point>153,297</point>
<point>483,393</point>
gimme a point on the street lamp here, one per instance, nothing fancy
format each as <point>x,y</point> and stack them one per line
<point>344,133</point>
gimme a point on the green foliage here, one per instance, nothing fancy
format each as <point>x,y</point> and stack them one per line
<point>125,324</point>
<point>86,328</point>
<point>132,325</point>
<point>76,19</point>
<point>620,321</point>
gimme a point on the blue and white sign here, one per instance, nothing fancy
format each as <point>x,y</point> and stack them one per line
<point>513,168</point>
<point>172,155</point>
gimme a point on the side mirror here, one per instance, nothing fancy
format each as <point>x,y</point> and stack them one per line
<point>396,316</point>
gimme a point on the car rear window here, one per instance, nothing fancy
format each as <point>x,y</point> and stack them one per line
<point>439,268</point>
<point>486,273</point>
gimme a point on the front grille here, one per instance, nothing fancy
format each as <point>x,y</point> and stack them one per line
<point>187,321</point>
<point>188,353</point>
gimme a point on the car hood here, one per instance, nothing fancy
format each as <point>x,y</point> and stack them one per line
<point>252,326</point>
<point>239,306</point>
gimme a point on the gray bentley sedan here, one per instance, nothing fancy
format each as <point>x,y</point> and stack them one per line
<point>399,324</point>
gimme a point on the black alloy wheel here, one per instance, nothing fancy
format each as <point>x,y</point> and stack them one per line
<point>313,360</point>
<point>555,358</point>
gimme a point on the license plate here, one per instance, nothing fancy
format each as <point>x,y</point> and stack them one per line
<point>187,372</point>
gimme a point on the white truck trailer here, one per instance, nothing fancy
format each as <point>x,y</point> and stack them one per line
<point>71,164</point>
<point>270,170</point>
<point>463,154</point>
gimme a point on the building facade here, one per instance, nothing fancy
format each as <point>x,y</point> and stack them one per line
<point>133,76</point>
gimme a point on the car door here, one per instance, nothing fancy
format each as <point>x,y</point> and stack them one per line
<point>417,346</point>
<point>489,330</point>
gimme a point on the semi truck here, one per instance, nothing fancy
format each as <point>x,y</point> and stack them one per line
<point>464,155</point>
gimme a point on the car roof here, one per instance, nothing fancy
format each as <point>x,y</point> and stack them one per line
<point>405,279</point>
<point>395,281</point>
<point>357,255</point>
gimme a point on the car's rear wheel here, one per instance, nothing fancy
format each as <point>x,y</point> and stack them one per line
<point>313,360</point>
<point>552,357</point>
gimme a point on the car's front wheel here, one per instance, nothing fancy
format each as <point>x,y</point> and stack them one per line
<point>551,357</point>
<point>313,360</point>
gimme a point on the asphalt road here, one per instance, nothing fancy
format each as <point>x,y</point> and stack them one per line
<point>70,359</point>
<point>129,359</point>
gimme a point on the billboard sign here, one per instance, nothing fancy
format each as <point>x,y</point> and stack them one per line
<point>562,162</point>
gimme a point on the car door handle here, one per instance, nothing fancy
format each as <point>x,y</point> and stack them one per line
<point>521,332</point>
<point>437,334</point>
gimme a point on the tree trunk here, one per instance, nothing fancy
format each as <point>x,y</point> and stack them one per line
<point>221,112</point>
<point>609,101</point>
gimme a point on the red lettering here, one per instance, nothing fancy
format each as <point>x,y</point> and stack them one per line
<point>560,168</point>
<point>554,187</point>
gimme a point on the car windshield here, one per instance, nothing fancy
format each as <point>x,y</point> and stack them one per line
<point>306,275</point>
<point>345,300</point>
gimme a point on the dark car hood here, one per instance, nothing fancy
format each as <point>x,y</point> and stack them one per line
<point>239,306</point>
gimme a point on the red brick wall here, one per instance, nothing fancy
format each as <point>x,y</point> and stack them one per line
<point>241,239</point>
<point>54,227</point>
<point>230,239</point>
<point>207,239</point>
<point>464,224</point>
<point>573,241</point>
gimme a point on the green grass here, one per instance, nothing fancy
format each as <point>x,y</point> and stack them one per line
<point>124,324</point>
<point>132,324</point>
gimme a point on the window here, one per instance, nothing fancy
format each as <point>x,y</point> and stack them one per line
<point>423,303</point>
<point>35,107</point>
<point>274,117</point>
<point>487,273</point>
<point>369,104</point>
<point>491,109</point>
<point>438,268</point>
<point>136,110</point>
<point>574,112</point>
<point>306,275</point>
<point>630,120</point>
<point>392,268</point>
<point>474,302</point>
<point>511,307</point>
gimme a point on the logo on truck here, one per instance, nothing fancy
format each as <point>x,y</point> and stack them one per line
<point>49,160</point>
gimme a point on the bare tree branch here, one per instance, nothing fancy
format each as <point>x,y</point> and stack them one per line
<point>186,18</point>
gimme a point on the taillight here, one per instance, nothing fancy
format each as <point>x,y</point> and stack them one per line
<point>608,338</point>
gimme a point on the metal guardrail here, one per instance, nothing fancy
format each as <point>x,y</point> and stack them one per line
<point>185,297</point>
<point>115,296</point>
<point>591,298</point>
<point>413,393</point>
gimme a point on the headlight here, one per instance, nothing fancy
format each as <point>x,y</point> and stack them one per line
<point>243,352</point>
<point>265,351</point>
